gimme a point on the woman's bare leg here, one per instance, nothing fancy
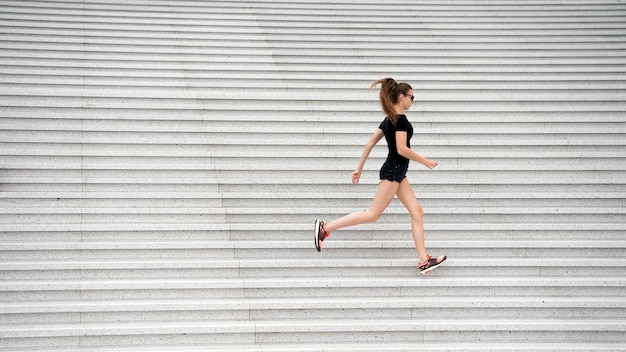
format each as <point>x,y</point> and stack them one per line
<point>384,195</point>
<point>407,197</point>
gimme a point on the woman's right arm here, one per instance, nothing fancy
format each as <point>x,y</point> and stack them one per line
<point>374,139</point>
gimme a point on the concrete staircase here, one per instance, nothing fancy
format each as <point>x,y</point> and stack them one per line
<point>162,163</point>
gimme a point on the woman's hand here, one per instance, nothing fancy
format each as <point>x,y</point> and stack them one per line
<point>406,152</point>
<point>430,163</point>
<point>356,176</point>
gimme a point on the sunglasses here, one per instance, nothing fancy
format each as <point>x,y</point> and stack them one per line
<point>410,96</point>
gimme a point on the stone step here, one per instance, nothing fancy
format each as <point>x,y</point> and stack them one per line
<point>280,288</point>
<point>216,137</point>
<point>63,312</point>
<point>267,70</point>
<point>121,47</point>
<point>380,347</point>
<point>271,153</point>
<point>605,21</point>
<point>430,200</point>
<point>208,216</point>
<point>157,231</point>
<point>275,211</point>
<point>60,77</point>
<point>92,130</point>
<point>294,165</point>
<point>334,331</point>
<point>302,248</point>
<point>477,103</point>
<point>22,269</point>
<point>17,44</point>
<point>123,179</point>
<point>72,97</point>
<point>297,11</point>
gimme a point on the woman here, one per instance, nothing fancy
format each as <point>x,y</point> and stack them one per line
<point>395,98</point>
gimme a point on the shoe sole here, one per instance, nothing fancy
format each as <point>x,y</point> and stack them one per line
<point>317,235</point>
<point>432,268</point>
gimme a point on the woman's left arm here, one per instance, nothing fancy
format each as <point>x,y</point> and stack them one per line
<point>401,137</point>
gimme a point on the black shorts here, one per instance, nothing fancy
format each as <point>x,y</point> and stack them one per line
<point>393,172</point>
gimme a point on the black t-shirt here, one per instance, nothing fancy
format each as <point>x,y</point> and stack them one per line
<point>389,130</point>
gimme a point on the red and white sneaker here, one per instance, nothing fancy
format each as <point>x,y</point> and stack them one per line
<point>430,264</point>
<point>320,234</point>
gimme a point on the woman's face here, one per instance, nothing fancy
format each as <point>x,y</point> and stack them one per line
<point>406,99</point>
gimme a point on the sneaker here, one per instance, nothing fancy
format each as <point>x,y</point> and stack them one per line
<point>431,264</point>
<point>320,234</point>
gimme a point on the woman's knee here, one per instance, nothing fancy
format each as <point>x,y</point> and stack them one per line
<point>417,212</point>
<point>373,216</point>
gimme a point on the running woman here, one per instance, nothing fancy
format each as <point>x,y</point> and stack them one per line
<point>395,98</point>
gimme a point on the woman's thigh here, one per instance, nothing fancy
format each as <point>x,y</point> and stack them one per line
<point>407,197</point>
<point>384,195</point>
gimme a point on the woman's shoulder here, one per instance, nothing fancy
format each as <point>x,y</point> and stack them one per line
<point>383,123</point>
<point>403,122</point>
